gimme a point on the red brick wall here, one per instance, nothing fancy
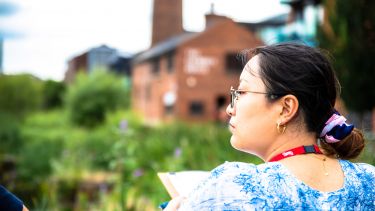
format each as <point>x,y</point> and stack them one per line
<point>75,65</point>
<point>226,37</point>
<point>149,88</point>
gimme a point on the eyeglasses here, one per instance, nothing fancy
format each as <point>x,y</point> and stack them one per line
<point>234,94</point>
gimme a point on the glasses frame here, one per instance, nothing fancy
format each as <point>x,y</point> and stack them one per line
<point>235,93</point>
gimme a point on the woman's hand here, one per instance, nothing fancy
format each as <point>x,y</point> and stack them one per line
<point>174,204</point>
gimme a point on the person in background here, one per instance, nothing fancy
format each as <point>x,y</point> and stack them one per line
<point>283,112</point>
<point>9,202</point>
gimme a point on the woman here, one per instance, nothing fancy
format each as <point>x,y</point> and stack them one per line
<point>283,112</point>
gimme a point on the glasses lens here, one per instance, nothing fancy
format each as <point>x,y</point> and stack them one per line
<point>232,96</point>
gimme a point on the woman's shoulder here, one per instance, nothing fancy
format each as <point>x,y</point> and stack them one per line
<point>238,173</point>
<point>364,170</point>
<point>233,185</point>
<point>360,180</point>
<point>370,169</point>
<point>230,173</point>
<point>360,167</point>
<point>233,168</point>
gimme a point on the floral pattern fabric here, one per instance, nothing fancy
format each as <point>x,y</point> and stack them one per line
<point>270,186</point>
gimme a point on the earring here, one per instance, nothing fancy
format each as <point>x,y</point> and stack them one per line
<point>280,128</point>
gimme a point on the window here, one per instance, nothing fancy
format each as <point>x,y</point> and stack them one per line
<point>156,66</point>
<point>170,62</point>
<point>221,101</point>
<point>232,63</point>
<point>168,109</point>
<point>196,108</point>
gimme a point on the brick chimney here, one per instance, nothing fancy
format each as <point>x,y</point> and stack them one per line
<point>212,18</point>
<point>167,20</point>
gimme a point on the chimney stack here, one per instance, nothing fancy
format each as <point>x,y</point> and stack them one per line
<point>212,19</point>
<point>167,20</point>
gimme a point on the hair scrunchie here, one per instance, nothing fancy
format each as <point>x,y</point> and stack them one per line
<point>336,128</point>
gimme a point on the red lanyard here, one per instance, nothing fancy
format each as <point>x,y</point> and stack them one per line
<point>296,151</point>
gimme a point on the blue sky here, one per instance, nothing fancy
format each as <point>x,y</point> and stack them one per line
<point>47,33</point>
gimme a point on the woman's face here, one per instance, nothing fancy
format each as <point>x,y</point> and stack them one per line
<point>253,117</point>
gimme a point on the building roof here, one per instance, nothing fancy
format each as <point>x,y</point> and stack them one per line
<point>163,47</point>
<point>173,42</point>
<point>278,20</point>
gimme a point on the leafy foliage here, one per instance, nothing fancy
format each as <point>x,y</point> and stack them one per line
<point>10,135</point>
<point>19,94</point>
<point>53,92</point>
<point>92,96</point>
<point>350,35</point>
<point>43,136</point>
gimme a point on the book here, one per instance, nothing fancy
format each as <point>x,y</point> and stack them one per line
<point>183,182</point>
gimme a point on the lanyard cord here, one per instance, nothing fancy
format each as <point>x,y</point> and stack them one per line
<point>296,151</point>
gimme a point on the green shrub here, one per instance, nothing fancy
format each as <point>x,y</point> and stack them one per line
<point>41,141</point>
<point>91,96</point>
<point>53,92</point>
<point>367,156</point>
<point>20,94</point>
<point>43,136</point>
<point>10,135</point>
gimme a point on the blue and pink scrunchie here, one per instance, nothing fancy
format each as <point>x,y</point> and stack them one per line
<point>336,128</point>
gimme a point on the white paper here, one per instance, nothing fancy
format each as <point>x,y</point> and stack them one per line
<point>185,181</point>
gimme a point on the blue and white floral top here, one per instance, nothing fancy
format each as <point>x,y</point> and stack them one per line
<point>270,186</point>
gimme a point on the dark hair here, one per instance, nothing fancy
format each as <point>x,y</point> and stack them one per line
<point>307,73</point>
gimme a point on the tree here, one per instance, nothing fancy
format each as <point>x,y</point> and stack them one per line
<point>53,92</point>
<point>349,34</point>
<point>92,96</point>
<point>20,94</point>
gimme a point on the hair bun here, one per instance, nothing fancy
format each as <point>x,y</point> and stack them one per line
<point>348,148</point>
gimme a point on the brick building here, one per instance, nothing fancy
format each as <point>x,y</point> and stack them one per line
<point>184,75</point>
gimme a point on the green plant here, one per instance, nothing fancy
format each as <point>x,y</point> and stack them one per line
<point>367,156</point>
<point>10,135</point>
<point>351,41</point>
<point>53,92</point>
<point>20,94</point>
<point>91,96</point>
